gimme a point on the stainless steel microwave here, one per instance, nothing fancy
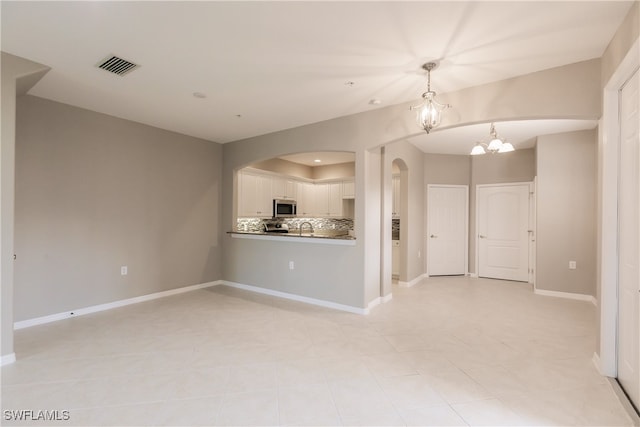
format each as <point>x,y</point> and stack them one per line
<point>284,208</point>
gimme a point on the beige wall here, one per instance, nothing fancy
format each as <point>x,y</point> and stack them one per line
<point>18,75</point>
<point>337,171</point>
<point>324,172</point>
<point>94,193</point>
<point>566,212</point>
<point>285,167</point>
<point>447,169</point>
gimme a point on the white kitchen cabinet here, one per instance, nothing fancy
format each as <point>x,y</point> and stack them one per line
<point>395,258</point>
<point>306,199</point>
<point>348,189</point>
<point>257,190</point>
<point>335,199</point>
<point>321,199</point>
<point>329,199</point>
<point>254,195</point>
<point>395,196</point>
<point>284,188</point>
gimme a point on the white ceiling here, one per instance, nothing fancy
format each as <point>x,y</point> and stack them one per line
<point>267,66</point>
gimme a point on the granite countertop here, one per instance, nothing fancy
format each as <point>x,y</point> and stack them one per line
<point>294,233</point>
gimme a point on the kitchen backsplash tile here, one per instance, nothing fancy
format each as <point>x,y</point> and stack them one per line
<point>255,224</point>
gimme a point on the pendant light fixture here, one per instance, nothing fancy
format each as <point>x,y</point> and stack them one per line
<point>430,111</point>
<point>495,145</point>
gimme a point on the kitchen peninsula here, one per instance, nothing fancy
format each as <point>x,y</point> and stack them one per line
<point>294,237</point>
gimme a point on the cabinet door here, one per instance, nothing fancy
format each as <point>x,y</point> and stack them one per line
<point>348,190</point>
<point>284,188</point>
<point>322,200</point>
<point>264,201</point>
<point>306,199</point>
<point>335,199</point>
<point>246,194</point>
<point>254,195</point>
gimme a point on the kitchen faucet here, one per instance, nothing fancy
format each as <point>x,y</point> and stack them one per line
<point>302,225</point>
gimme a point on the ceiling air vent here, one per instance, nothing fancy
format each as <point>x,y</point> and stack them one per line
<point>116,65</point>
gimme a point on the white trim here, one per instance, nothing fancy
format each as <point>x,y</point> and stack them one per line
<point>473,275</point>
<point>108,306</point>
<point>374,303</point>
<point>293,238</point>
<point>413,282</point>
<point>387,297</point>
<point>596,362</point>
<point>608,250</point>
<point>8,359</point>
<point>567,295</point>
<point>299,298</point>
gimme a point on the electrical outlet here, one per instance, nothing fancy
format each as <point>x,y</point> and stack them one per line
<point>291,265</point>
<point>419,253</point>
<point>123,270</point>
<point>572,265</point>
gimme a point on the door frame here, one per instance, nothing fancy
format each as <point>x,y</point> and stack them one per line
<point>608,170</point>
<point>466,226</point>
<point>532,225</point>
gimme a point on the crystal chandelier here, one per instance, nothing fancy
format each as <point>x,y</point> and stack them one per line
<point>430,111</point>
<point>495,145</point>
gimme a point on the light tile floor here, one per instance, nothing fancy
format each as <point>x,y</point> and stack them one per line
<point>449,351</point>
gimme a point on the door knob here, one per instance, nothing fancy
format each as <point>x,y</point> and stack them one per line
<point>482,237</point>
<point>433,236</point>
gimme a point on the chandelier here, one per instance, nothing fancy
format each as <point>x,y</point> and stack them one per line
<point>430,111</point>
<point>495,145</point>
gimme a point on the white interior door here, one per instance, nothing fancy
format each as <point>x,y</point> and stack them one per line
<point>628,241</point>
<point>503,236</point>
<point>447,228</point>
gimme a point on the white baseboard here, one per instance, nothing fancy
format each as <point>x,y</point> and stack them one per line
<point>7,359</point>
<point>374,303</point>
<point>568,295</point>
<point>413,282</point>
<point>108,306</point>
<point>473,275</point>
<point>596,362</point>
<point>299,298</point>
<point>387,297</point>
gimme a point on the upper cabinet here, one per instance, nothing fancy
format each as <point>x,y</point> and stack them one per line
<point>335,199</point>
<point>348,189</point>
<point>321,183</point>
<point>257,190</point>
<point>254,195</point>
<point>284,188</point>
<point>306,199</point>
<point>328,197</point>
